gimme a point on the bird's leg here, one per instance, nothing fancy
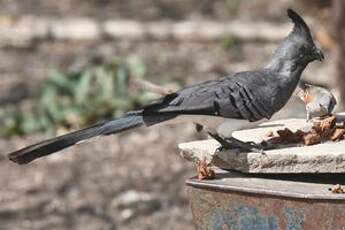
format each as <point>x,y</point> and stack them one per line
<point>231,143</point>
<point>308,117</point>
<point>225,144</point>
<point>247,146</point>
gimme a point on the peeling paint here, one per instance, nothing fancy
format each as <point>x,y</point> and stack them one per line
<point>220,210</point>
<point>241,217</point>
<point>294,219</point>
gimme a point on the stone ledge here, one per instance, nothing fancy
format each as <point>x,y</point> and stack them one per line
<point>327,157</point>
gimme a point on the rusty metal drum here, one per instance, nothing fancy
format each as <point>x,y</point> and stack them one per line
<point>260,202</point>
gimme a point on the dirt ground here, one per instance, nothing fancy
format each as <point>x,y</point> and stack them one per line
<point>133,180</point>
<point>86,187</point>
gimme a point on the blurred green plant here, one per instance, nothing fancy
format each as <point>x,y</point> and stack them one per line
<point>233,6</point>
<point>77,99</point>
<point>230,42</point>
<point>233,46</point>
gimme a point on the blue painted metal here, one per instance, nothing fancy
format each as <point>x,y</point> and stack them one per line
<point>294,218</point>
<point>235,201</point>
<point>242,217</point>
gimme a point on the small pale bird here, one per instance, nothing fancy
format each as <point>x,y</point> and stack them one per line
<point>319,101</point>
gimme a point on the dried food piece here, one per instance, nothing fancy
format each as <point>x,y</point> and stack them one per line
<point>290,137</point>
<point>327,123</point>
<point>337,189</point>
<point>317,127</point>
<point>273,140</point>
<point>299,134</point>
<point>338,134</point>
<point>285,134</point>
<point>198,127</point>
<point>311,138</point>
<point>269,134</point>
<point>322,130</point>
<point>326,134</point>
<point>204,170</point>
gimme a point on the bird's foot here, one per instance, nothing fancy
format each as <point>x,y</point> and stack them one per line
<point>258,148</point>
<point>224,144</point>
<point>233,143</point>
<point>249,146</point>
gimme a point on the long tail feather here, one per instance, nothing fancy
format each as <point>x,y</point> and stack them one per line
<point>30,153</point>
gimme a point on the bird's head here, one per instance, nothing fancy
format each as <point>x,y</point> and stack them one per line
<point>301,46</point>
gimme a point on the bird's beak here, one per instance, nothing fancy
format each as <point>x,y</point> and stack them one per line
<point>318,55</point>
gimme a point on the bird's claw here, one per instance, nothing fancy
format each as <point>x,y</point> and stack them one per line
<point>258,148</point>
<point>224,148</point>
<point>233,143</point>
<point>252,143</point>
<point>223,142</point>
<point>252,147</point>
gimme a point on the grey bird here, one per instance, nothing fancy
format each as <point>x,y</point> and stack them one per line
<point>319,101</point>
<point>221,106</point>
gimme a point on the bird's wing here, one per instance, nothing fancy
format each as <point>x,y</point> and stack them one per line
<point>238,97</point>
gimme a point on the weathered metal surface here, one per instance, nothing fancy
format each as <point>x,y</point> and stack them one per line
<point>236,201</point>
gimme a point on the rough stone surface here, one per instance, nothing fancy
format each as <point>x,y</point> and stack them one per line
<point>327,157</point>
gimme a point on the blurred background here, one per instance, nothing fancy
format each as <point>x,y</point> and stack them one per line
<point>65,64</point>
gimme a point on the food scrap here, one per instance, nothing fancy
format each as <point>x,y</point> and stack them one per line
<point>269,134</point>
<point>311,138</point>
<point>322,130</point>
<point>337,189</point>
<point>289,136</point>
<point>327,123</point>
<point>338,135</point>
<point>204,170</point>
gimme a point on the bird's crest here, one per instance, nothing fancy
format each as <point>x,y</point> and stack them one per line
<point>301,28</point>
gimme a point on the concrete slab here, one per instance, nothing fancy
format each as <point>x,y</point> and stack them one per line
<point>328,157</point>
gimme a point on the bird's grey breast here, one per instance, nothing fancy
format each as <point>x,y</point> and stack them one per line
<point>280,89</point>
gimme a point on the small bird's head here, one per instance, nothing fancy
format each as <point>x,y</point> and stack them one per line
<point>298,48</point>
<point>299,44</point>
